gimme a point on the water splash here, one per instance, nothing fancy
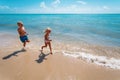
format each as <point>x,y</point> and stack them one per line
<point>99,60</point>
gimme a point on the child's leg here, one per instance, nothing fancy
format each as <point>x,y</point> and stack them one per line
<point>44,46</point>
<point>24,44</point>
<point>26,38</point>
<point>50,47</point>
<point>27,41</point>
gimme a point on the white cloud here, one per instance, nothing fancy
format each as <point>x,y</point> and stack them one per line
<point>55,3</point>
<point>43,5</point>
<point>69,9</point>
<point>82,2</point>
<point>72,8</point>
<point>106,7</point>
<point>49,8</point>
<point>4,7</point>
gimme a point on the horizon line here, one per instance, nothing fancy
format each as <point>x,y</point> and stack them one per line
<point>58,13</point>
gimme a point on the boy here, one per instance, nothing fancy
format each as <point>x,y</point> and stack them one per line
<point>47,41</point>
<point>22,33</point>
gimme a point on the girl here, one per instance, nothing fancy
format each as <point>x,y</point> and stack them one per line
<point>47,41</point>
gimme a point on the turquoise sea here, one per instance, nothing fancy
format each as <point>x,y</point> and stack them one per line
<point>97,29</point>
<point>92,37</point>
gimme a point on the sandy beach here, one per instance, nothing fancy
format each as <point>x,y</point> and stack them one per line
<point>18,64</point>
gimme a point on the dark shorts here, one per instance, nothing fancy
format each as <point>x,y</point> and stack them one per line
<point>23,38</point>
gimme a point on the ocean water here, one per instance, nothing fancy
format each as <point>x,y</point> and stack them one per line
<point>97,34</point>
<point>101,29</point>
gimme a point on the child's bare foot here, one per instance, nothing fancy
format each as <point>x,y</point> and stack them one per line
<point>23,49</point>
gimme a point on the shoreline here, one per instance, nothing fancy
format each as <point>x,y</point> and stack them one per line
<point>103,61</point>
<point>31,65</point>
<point>90,53</point>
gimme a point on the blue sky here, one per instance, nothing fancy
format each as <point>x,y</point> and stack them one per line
<point>59,6</point>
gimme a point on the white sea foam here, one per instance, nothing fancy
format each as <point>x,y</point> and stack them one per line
<point>99,60</point>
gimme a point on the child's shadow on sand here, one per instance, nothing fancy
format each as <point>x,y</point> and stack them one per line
<point>13,54</point>
<point>42,57</point>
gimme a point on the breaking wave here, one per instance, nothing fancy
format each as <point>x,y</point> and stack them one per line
<point>99,60</point>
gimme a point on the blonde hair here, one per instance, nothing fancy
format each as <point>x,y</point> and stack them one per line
<point>47,29</point>
<point>20,22</point>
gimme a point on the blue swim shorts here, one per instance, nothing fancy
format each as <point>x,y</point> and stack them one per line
<point>23,38</point>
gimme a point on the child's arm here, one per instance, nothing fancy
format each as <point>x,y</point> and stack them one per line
<point>24,31</point>
<point>49,37</point>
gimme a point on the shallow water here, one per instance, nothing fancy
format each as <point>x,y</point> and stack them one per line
<point>97,29</point>
<point>104,56</point>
